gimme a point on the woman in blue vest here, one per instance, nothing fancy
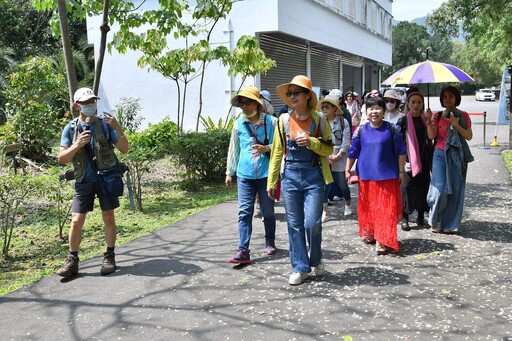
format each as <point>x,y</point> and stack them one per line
<point>248,159</point>
<point>300,155</point>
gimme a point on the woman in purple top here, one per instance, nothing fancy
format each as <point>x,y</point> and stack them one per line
<point>380,154</point>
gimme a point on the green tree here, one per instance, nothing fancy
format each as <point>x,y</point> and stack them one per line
<point>486,24</point>
<point>34,104</point>
<point>410,44</point>
<point>128,114</point>
<point>247,59</point>
<point>485,73</point>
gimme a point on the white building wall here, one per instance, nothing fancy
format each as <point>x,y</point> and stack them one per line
<point>301,18</point>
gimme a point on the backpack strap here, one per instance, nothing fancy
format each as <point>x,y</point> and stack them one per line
<point>72,129</point>
<point>252,133</point>
<point>360,129</point>
<point>75,126</point>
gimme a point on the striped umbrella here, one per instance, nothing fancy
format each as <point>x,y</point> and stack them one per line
<point>428,72</point>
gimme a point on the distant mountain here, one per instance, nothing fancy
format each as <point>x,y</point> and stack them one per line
<point>422,21</point>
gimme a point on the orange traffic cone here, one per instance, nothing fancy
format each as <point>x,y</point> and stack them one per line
<point>495,142</point>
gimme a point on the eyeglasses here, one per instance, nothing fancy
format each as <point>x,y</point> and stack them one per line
<point>326,107</point>
<point>242,104</point>
<point>294,93</point>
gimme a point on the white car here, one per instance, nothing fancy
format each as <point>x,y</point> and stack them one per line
<point>485,95</point>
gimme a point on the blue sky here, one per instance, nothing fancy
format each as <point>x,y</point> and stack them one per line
<point>407,10</point>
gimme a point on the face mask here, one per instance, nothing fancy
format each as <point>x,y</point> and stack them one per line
<point>251,115</point>
<point>390,106</point>
<point>89,109</point>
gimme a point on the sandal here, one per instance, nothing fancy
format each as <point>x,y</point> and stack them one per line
<point>381,249</point>
<point>437,231</point>
<point>369,240</point>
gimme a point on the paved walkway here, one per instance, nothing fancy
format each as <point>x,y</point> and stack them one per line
<point>176,284</point>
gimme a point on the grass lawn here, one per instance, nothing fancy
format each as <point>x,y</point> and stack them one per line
<point>37,251</point>
<point>507,157</point>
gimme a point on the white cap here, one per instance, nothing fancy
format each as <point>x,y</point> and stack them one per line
<point>355,94</point>
<point>336,92</point>
<point>84,94</point>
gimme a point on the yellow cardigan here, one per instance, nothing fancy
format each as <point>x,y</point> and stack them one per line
<point>276,156</point>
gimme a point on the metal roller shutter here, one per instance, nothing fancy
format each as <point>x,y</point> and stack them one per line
<point>290,59</point>
<point>325,69</point>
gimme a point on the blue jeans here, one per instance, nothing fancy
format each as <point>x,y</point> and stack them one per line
<point>339,180</point>
<point>445,208</point>
<point>247,189</point>
<point>303,190</point>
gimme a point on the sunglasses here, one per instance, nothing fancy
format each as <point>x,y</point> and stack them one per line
<point>242,104</point>
<point>326,107</point>
<point>294,93</point>
<point>390,101</point>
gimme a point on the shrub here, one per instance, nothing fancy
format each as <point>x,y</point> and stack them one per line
<point>145,147</point>
<point>14,193</point>
<point>34,104</point>
<point>202,155</point>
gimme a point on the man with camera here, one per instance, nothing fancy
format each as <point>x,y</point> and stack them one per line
<point>87,142</point>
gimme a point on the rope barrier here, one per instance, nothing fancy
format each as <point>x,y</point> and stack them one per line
<point>484,114</point>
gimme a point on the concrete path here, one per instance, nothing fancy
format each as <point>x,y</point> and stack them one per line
<point>176,283</point>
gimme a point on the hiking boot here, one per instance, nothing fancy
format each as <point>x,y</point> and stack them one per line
<point>241,257</point>
<point>109,263</point>
<point>404,224</point>
<point>320,268</point>
<point>270,248</point>
<point>70,267</point>
<point>297,278</point>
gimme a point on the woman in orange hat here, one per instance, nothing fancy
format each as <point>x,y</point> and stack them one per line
<point>299,154</point>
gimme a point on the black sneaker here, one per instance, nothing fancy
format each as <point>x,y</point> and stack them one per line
<point>70,267</point>
<point>109,263</point>
<point>420,221</point>
<point>405,225</point>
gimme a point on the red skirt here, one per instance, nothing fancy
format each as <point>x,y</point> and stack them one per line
<point>379,210</point>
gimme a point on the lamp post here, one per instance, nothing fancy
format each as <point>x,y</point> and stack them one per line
<point>509,68</point>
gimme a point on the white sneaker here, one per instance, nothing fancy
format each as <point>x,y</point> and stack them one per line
<point>297,278</point>
<point>348,210</point>
<point>325,217</point>
<point>320,268</point>
<point>336,198</point>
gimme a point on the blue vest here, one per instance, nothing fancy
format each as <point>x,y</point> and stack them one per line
<point>253,166</point>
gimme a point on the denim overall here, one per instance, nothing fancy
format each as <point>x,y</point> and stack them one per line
<point>303,190</point>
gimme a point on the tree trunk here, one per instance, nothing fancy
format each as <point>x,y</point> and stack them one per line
<point>103,46</point>
<point>68,52</point>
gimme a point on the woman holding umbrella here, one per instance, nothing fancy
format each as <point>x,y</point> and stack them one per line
<point>451,129</point>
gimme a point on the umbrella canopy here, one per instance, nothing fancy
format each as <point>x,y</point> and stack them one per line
<point>428,72</point>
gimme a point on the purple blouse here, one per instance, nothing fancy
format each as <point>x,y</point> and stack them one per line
<point>377,152</point>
